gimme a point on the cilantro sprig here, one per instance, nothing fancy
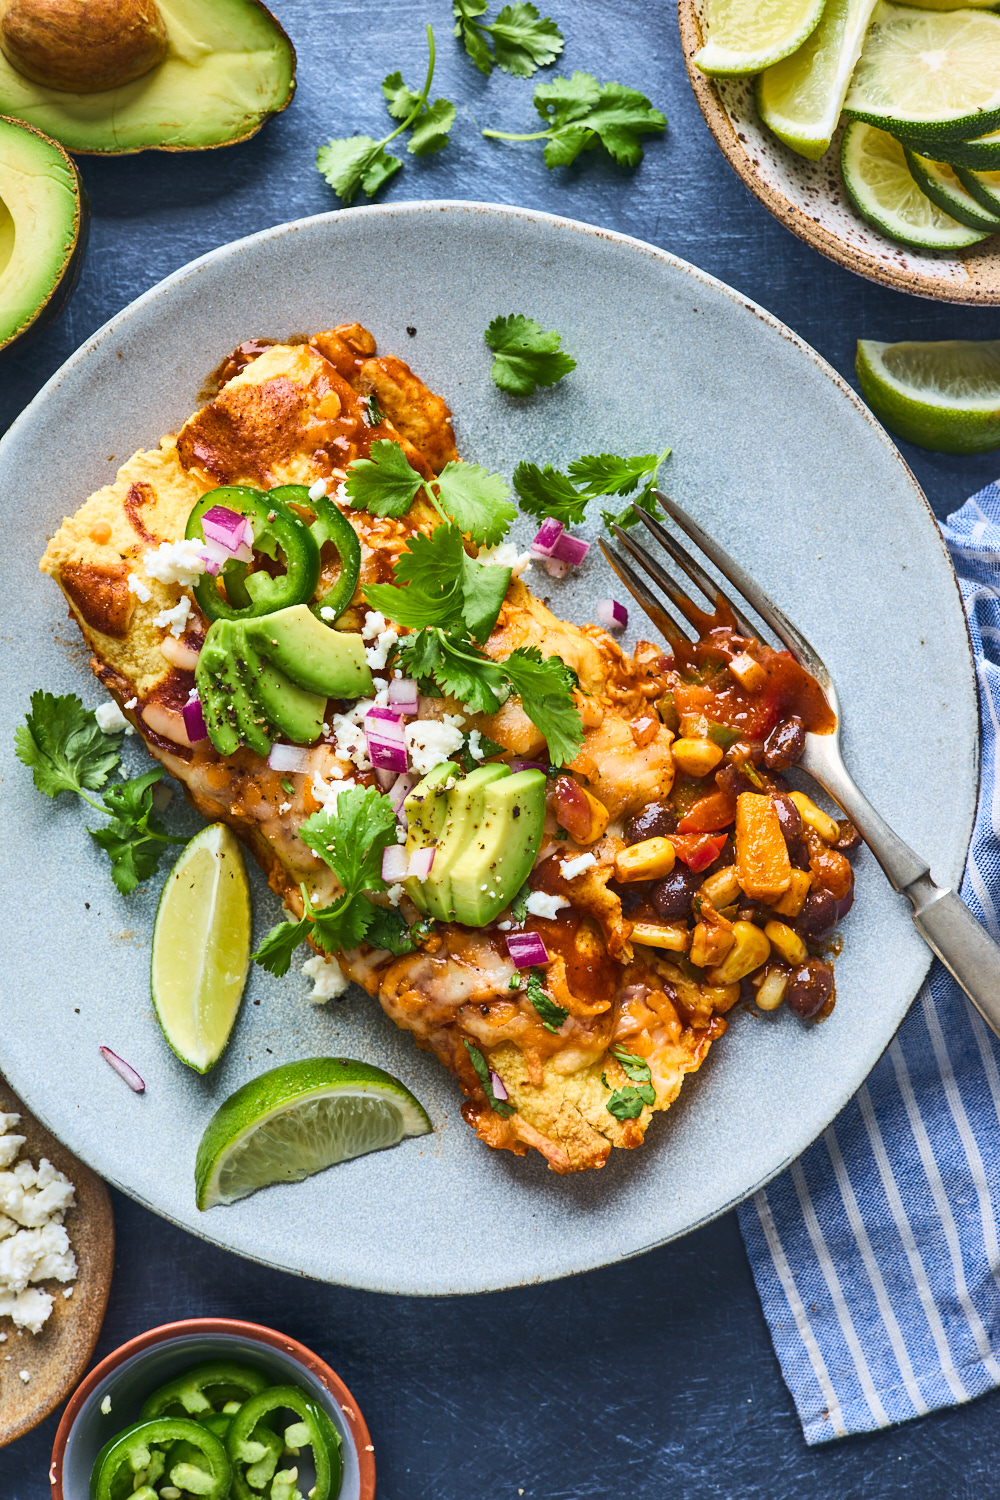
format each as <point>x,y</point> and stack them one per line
<point>626,1103</point>
<point>482,1068</point>
<point>546,491</point>
<point>386,484</point>
<point>360,163</point>
<point>67,752</point>
<point>522,40</point>
<point>550,1014</point>
<point>582,114</point>
<point>525,355</point>
<point>350,839</point>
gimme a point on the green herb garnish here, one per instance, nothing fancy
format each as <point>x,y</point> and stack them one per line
<point>519,905</point>
<point>550,1014</point>
<point>373,412</point>
<point>287,787</point>
<point>476,500</point>
<point>626,1103</point>
<point>582,115</point>
<point>525,355</point>
<point>548,492</point>
<point>388,929</point>
<point>522,40</point>
<point>483,1074</point>
<point>636,1068</point>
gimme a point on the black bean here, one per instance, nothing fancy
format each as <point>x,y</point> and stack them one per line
<point>657,820</point>
<point>798,855</point>
<point>632,894</point>
<point>784,744</point>
<point>818,914</point>
<point>809,988</point>
<point>672,896</point>
<point>731,778</point>
<point>788,817</point>
<point>845,903</point>
<point>850,838</point>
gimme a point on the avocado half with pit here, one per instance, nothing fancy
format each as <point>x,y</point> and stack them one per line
<point>106,77</point>
<point>43,228</point>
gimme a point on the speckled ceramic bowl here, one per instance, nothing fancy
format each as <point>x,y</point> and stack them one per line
<point>133,1372</point>
<point>809,198</point>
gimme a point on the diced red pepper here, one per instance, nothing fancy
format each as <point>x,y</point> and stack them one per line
<point>709,814</point>
<point>697,850</point>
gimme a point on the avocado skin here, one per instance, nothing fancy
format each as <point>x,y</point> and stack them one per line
<point>290,709</point>
<point>461,823</point>
<point>330,662</point>
<point>502,850</point>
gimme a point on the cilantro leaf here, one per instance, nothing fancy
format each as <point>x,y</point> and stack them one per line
<point>607,474</point>
<point>522,41</point>
<point>400,100</point>
<point>526,355</point>
<point>384,484</point>
<point>275,952</point>
<point>431,122</point>
<point>456,667</point>
<point>519,905</point>
<point>636,1068</point>
<point>477,500</point>
<point>388,929</point>
<point>482,1068</point>
<point>583,114</point>
<point>487,749</point>
<point>62,744</point>
<point>442,585</point>
<point>547,492</point>
<point>545,688</point>
<point>343,925</point>
<point>550,1014</point>
<point>135,837</point>
<point>628,517</point>
<point>352,837</point>
<point>374,414</point>
<point>626,1103</point>
<point>355,163</point>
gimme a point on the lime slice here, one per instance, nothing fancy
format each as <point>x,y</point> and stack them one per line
<point>747,35</point>
<point>800,98</point>
<point>980,155</point>
<point>929,75</point>
<point>880,186</point>
<point>201,947</point>
<point>299,1119</point>
<point>942,186</point>
<point>942,396</point>
<point>984,187</point>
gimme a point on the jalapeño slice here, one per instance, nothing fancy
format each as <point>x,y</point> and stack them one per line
<point>173,1448</point>
<point>204,1389</point>
<point>250,1441</point>
<point>275,528</point>
<point>330,526</point>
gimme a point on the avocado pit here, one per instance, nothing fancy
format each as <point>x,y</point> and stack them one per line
<point>82,46</point>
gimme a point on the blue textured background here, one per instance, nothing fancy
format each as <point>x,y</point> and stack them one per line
<point>646,1379</point>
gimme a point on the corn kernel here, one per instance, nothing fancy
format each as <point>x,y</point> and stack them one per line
<point>650,860</point>
<point>722,888</point>
<point>659,935</point>
<point>748,673</point>
<point>710,945</point>
<point>815,818</point>
<point>794,898</point>
<point>696,757</point>
<point>772,991</point>
<point>788,943</point>
<point>750,950</point>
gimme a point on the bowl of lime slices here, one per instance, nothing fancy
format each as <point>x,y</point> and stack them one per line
<point>872,130</point>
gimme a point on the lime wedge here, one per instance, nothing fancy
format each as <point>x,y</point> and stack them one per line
<point>929,75</point>
<point>942,185</point>
<point>880,186</point>
<point>800,98</point>
<point>943,396</point>
<point>299,1119</point>
<point>984,187</point>
<point>201,947</point>
<point>747,35</point>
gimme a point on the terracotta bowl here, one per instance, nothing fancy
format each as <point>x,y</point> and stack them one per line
<point>135,1370</point>
<point>808,197</point>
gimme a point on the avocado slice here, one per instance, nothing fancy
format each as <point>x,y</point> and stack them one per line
<point>426,810</point>
<point>43,229</point>
<point>502,849</point>
<point>229,66</point>
<point>331,662</point>
<point>291,710</point>
<point>232,716</point>
<point>462,820</point>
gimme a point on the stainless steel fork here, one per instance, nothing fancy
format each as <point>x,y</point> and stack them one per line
<point>943,920</point>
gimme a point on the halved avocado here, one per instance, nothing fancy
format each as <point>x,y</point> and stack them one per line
<point>43,228</point>
<point>462,823</point>
<point>499,855</point>
<point>228,67</point>
<point>331,662</point>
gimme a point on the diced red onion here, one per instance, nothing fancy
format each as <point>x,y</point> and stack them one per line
<point>385,779</point>
<point>387,718</point>
<point>547,537</point>
<point>520,764</point>
<point>123,1070</point>
<point>420,863</point>
<point>612,614</point>
<point>498,1086</point>
<point>386,755</point>
<point>555,568</point>
<point>395,864</point>
<point>216,556</point>
<point>527,949</point>
<point>403,695</point>
<point>401,789</point>
<point>194,720</point>
<point>570,549</point>
<point>289,758</point>
<point>233,532</point>
<point>386,741</point>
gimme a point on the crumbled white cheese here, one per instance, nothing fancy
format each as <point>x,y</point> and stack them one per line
<point>317,490</point>
<point>396,894</point>
<point>327,792</point>
<point>326,613</point>
<point>504,926</point>
<point>139,589</point>
<point>25,1376</point>
<point>328,979</point>
<point>106,1406</point>
<point>376,656</point>
<point>573,867</point>
<point>475,745</point>
<point>430,741</point>
<point>506,555</point>
<point>539,904</point>
<point>180,562</point>
<point>350,741</point>
<point>373,626</point>
<point>68,1292</point>
<point>175,619</point>
<point>110,719</point>
<point>285,807</point>
<point>131,702</point>
<point>34,1246</point>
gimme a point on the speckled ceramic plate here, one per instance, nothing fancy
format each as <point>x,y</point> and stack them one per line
<point>809,198</point>
<point>771,450</point>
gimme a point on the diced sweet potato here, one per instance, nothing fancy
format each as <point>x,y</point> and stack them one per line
<point>762,863</point>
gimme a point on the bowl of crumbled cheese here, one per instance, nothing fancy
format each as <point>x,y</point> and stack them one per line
<point>56,1260</point>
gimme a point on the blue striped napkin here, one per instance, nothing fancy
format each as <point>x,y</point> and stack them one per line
<point>877,1255</point>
